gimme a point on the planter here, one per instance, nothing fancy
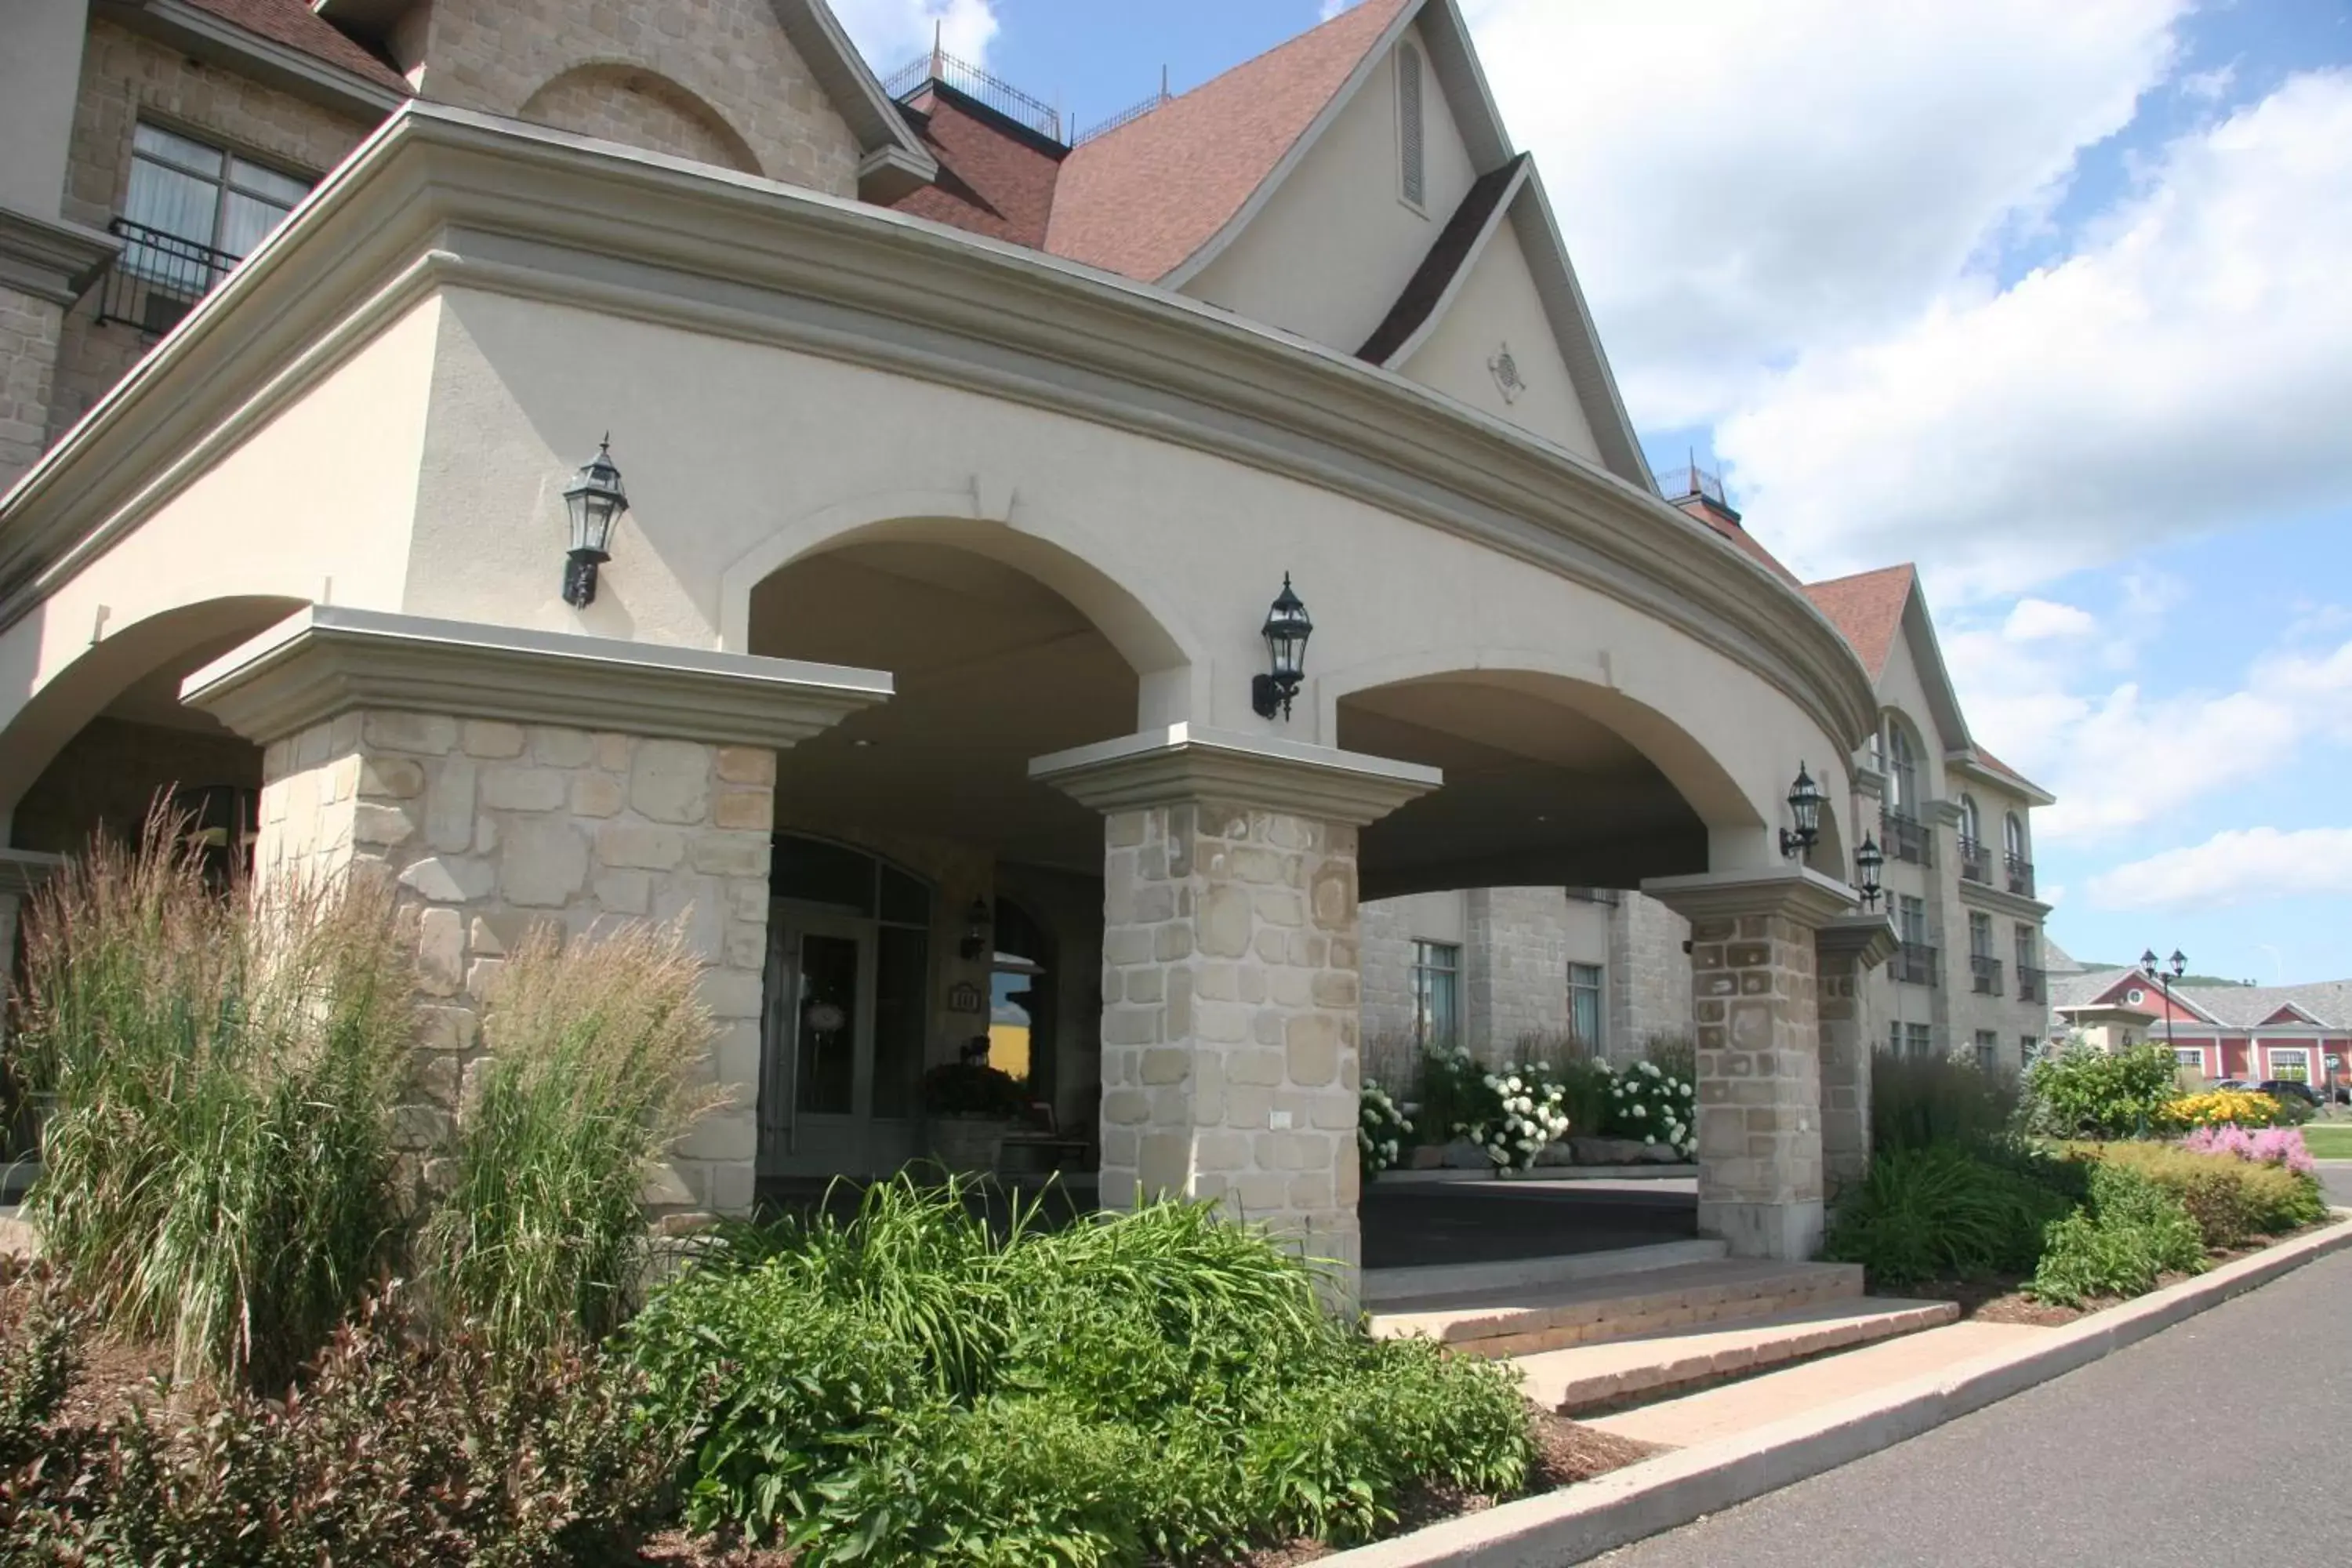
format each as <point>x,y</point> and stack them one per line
<point>968,1145</point>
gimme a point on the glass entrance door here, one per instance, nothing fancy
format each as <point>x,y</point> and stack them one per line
<point>843,1029</point>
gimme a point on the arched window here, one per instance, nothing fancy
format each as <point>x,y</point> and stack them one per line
<point>1971,834</point>
<point>2012,836</point>
<point>1902,772</point>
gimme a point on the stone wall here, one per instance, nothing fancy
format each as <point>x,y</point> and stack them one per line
<point>1515,968</point>
<point>1230,1002</point>
<point>1649,974</point>
<point>717,65</point>
<point>29,331</point>
<point>619,105</point>
<point>1386,936</point>
<point>490,829</point>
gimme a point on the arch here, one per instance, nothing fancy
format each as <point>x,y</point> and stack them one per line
<point>2012,836</point>
<point>1903,751</point>
<point>179,639</point>
<point>619,100</point>
<point>1971,821</point>
<point>1170,665</point>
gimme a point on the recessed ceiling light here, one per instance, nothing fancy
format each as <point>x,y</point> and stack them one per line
<point>862,743</point>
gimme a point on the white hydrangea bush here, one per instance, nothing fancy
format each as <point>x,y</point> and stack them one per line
<point>1646,1101</point>
<point>1529,1115</point>
<point>1381,1128</point>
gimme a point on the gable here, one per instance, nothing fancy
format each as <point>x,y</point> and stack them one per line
<point>1497,315</point>
<point>2290,1017</point>
<point>1337,241</point>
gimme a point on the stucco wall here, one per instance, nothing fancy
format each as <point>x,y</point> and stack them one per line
<point>124,77</point>
<point>1335,245</point>
<point>1496,310</point>
<point>728,56</point>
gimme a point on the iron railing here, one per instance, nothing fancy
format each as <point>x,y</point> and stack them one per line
<point>1611,897</point>
<point>1127,116</point>
<point>2021,875</point>
<point>977,82</point>
<point>1915,963</point>
<point>159,277</point>
<point>1686,480</point>
<point>1976,862</point>
<point>1984,973</point>
<point>1906,838</point>
<point>2033,984</point>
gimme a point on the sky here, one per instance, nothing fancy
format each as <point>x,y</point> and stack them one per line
<point>2054,299</point>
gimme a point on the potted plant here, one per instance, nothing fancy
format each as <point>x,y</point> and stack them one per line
<point>969,1107</point>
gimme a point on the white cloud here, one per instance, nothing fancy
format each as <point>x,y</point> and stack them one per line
<point>889,33</point>
<point>2043,620</point>
<point>1744,186</point>
<point>2188,368</point>
<point>2240,866</point>
<point>2210,86</point>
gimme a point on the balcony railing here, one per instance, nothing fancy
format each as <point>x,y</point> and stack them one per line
<point>159,277</point>
<point>1984,974</point>
<point>1915,963</point>
<point>1907,838</point>
<point>2033,984</point>
<point>2021,875</point>
<point>1976,861</point>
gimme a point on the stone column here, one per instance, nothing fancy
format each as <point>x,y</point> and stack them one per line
<point>1847,949</point>
<point>507,779</point>
<point>1758,1026</point>
<point>1230,971</point>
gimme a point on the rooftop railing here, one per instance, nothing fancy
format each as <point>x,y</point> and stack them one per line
<point>978,83</point>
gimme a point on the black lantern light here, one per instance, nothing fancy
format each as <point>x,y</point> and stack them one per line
<point>1866,861</point>
<point>1805,806</point>
<point>2179,961</point>
<point>2178,966</point>
<point>595,500</point>
<point>978,920</point>
<point>1287,631</point>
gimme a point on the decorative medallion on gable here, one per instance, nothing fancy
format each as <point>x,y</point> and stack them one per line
<point>1507,374</point>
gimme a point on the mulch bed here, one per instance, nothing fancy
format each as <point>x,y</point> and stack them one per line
<point>2001,1299</point>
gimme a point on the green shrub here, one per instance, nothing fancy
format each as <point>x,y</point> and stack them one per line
<point>2230,1199</point>
<point>1583,1093</point>
<point>39,1354</point>
<point>910,1386</point>
<point>400,1452</point>
<point>1916,1101</point>
<point>595,1045</point>
<point>1941,1212</point>
<point>223,1071</point>
<point>2131,1232</point>
<point>2082,1092</point>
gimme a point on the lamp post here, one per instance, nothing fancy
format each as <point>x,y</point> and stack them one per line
<point>1287,630</point>
<point>1867,861</point>
<point>1805,809</point>
<point>2180,966</point>
<point>596,501</point>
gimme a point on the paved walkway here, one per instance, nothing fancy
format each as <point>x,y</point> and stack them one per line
<point>2220,1440</point>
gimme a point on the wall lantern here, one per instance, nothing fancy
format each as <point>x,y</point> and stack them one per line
<point>1287,631</point>
<point>977,922</point>
<point>1805,806</point>
<point>595,500</point>
<point>1867,861</point>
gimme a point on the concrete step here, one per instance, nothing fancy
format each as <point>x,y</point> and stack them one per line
<point>1550,1317</point>
<point>1383,1286</point>
<point>1758,1401</point>
<point>1612,1373</point>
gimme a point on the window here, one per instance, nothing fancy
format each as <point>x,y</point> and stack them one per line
<point>1969,831</point>
<point>192,211</point>
<point>1917,1040</point>
<point>2028,1048</point>
<point>1436,992</point>
<point>1911,919</point>
<point>1584,1004</point>
<point>1902,773</point>
<point>1894,1038</point>
<point>2135,996</point>
<point>1409,123</point>
<point>1981,936</point>
<point>2012,836</point>
<point>2190,1056</point>
<point>1987,1050</point>
<point>2290,1064</point>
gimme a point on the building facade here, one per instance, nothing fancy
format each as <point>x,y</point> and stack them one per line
<point>2249,1034</point>
<point>923,678</point>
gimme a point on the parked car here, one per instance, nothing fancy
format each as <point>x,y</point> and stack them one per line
<point>2283,1088</point>
<point>2234,1083</point>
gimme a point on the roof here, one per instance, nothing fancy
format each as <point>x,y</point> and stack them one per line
<point>293,24</point>
<point>996,176</point>
<point>1868,608</point>
<point>1992,763</point>
<point>2085,987</point>
<point>1141,199</point>
<point>2248,1006</point>
<point>1748,543</point>
<point>1455,247</point>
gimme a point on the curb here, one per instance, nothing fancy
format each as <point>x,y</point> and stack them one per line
<point>1582,1521</point>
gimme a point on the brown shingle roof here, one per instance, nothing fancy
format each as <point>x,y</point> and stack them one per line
<point>1435,274</point>
<point>1868,608</point>
<point>1746,543</point>
<point>1143,198</point>
<point>293,24</point>
<point>995,178</point>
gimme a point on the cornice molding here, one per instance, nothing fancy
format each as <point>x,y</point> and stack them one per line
<point>445,198</point>
<point>323,662</point>
<point>1191,762</point>
<point>1794,893</point>
<point>2033,795</point>
<point>1866,939</point>
<point>52,261</point>
<point>22,871</point>
<point>2001,901</point>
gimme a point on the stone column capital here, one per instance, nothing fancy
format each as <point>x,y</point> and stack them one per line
<point>1793,893</point>
<point>1866,940</point>
<point>23,870</point>
<point>1186,762</point>
<point>326,661</point>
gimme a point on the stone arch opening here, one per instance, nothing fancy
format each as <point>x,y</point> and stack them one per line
<point>639,107</point>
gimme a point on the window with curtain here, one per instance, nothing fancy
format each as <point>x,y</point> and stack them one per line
<point>1987,1050</point>
<point>1584,1003</point>
<point>1902,773</point>
<point>1911,919</point>
<point>1919,1039</point>
<point>1436,992</point>
<point>204,194</point>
